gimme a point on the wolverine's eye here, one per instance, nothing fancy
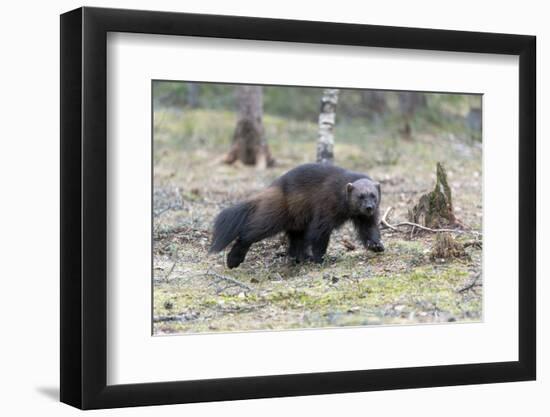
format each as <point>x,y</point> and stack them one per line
<point>362,196</point>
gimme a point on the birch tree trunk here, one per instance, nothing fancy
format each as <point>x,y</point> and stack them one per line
<point>249,143</point>
<point>327,117</point>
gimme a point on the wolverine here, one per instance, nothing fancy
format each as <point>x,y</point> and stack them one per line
<point>307,203</point>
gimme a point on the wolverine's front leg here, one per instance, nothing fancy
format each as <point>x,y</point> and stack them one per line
<point>369,233</point>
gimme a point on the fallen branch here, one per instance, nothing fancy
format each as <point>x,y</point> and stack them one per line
<point>395,227</point>
<point>384,222</point>
<point>176,317</point>
<point>170,271</point>
<point>160,319</point>
<point>172,206</point>
<point>473,243</point>
<point>471,284</point>
<point>231,280</point>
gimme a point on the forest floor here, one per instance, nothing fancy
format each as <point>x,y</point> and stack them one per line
<point>195,292</point>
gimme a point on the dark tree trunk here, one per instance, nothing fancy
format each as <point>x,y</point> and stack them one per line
<point>193,95</point>
<point>409,104</point>
<point>249,143</point>
<point>374,102</point>
<point>474,122</point>
<point>327,118</point>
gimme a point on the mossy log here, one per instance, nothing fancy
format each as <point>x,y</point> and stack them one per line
<point>435,209</point>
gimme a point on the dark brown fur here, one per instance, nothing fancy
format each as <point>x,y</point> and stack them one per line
<point>307,203</point>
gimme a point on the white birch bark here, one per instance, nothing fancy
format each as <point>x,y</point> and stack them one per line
<point>327,118</point>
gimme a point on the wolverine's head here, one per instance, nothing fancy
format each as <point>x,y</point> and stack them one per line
<point>363,196</point>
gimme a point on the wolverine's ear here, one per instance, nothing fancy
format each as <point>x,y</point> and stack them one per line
<point>349,187</point>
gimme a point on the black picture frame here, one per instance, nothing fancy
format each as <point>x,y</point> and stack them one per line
<point>84,207</point>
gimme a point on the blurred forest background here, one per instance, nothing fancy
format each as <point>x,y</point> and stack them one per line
<point>206,158</point>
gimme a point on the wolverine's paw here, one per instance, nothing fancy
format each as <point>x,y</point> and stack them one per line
<point>233,261</point>
<point>300,259</point>
<point>317,259</point>
<point>376,247</point>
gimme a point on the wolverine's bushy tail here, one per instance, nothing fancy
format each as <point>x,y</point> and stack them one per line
<point>228,225</point>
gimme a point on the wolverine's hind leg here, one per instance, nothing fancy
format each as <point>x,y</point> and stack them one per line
<point>239,250</point>
<point>237,253</point>
<point>261,225</point>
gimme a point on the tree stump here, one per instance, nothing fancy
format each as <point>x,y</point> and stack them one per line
<point>249,144</point>
<point>435,209</point>
<point>446,247</point>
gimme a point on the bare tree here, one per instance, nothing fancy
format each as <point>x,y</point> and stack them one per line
<point>411,101</point>
<point>193,95</point>
<point>474,122</point>
<point>327,117</point>
<point>374,102</point>
<point>409,104</point>
<point>249,143</point>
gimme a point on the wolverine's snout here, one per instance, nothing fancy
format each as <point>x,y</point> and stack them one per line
<point>368,207</point>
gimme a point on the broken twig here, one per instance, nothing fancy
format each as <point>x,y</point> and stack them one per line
<point>395,227</point>
<point>176,317</point>
<point>220,277</point>
<point>170,271</point>
<point>472,284</point>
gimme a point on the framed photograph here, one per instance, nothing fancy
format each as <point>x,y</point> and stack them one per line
<point>257,208</point>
